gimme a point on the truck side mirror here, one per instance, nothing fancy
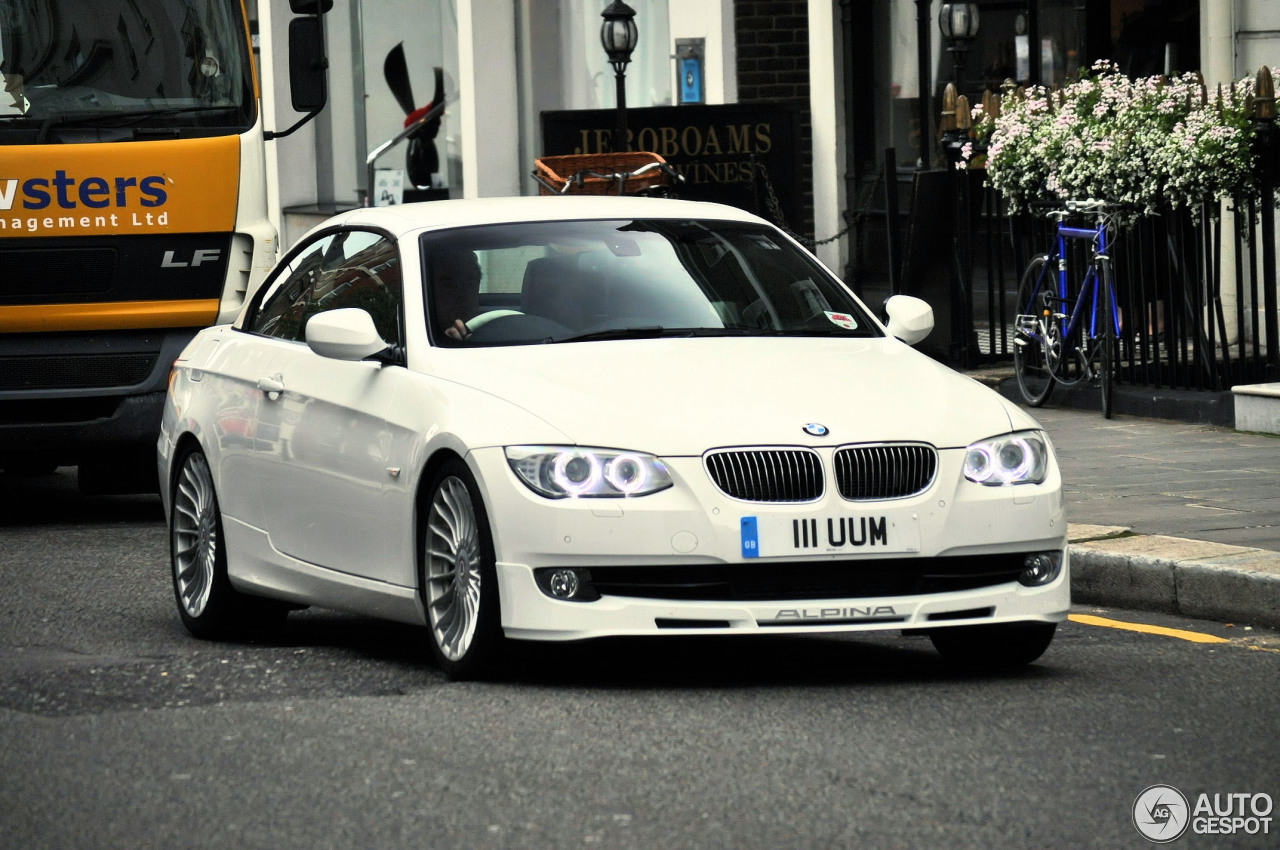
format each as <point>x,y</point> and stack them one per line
<point>308,66</point>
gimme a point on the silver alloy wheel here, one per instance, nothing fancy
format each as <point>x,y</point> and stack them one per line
<point>195,534</point>
<point>452,568</point>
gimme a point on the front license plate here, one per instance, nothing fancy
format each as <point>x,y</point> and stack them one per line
<point>830,534</point>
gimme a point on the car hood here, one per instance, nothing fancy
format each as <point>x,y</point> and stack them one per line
<point>684,396</point>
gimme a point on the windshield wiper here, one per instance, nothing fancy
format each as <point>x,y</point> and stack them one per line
<point>643,332</point>
<point>658,332</point>
<point>134,115</point>
<point>655,332</point>
<point>106,118</point>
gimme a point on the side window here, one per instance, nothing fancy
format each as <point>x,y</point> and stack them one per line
<point>355,268</point>
<point>366,275</point>
<point>283,313</point>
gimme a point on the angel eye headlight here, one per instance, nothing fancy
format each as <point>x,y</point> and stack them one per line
<point>559,472</point>
<point>978,464</point>
<point>627,474</point>
<point>1021,458</point>
<point>576,473</point>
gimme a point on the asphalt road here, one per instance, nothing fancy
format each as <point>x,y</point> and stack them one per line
<point>118,730</point>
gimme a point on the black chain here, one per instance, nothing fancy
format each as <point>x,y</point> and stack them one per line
<point>775,210</point>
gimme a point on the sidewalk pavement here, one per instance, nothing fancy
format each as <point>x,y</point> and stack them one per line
<point>1166,515</point>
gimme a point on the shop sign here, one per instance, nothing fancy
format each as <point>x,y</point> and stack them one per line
<point>724,152</point>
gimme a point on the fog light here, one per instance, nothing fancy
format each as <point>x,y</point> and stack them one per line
<point>1040,568</point>
<point>566,584</point>
<point>563,584</point>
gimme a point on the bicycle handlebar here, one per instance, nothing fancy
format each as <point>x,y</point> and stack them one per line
<point>1087,206</point>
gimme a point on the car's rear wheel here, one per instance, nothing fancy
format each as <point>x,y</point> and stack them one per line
<point>209,606</point>
<point>458,581</point>
<point>995,647</point>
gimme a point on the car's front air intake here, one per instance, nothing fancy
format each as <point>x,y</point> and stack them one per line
<point>767,475</point>
<point>883,471</point>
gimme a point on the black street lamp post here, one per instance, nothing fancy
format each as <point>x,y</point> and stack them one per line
<point>618,35</point>
<point>959,25</point>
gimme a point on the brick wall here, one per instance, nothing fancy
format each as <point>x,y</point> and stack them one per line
<point>773,64</point>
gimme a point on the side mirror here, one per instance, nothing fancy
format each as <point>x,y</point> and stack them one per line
<point>308,64</point>
<point>308,88</point>
<point>345,334</point>
<point>910,319</point>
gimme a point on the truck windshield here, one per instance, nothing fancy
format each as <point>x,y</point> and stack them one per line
<point>114,70</point>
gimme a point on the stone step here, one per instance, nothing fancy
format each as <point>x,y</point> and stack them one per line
<point>1257,407</point>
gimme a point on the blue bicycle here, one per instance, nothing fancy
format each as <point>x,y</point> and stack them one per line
<point>1067,328</point>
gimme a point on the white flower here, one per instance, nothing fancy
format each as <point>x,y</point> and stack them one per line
<point>1144,143</point>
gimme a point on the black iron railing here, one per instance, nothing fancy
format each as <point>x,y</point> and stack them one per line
<point>1198,293</point>
<point>1197,298</point>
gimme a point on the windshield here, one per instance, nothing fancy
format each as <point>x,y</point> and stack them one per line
<point>112,70</point>
<point>578,281</point>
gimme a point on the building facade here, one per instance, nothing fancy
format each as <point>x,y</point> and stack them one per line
<point>864,76</point>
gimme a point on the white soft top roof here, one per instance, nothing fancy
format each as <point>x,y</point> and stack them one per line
<point>429,215</point>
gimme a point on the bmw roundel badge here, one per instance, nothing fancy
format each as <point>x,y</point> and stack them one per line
<point>813,429</point>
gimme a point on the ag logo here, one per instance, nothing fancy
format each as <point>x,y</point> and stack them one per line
<point>1161,814</point>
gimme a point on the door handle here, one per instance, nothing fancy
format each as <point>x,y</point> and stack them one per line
<point>272,386</point>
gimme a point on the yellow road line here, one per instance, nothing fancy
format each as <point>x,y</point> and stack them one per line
<point>1181,634</point>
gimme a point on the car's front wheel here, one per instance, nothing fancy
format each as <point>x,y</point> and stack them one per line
<point>209,606</point>
<point>458,581</point>
<point>994,647</point>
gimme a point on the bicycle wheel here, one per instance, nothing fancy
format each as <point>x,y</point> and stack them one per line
<point>1107,342</point>
<point>1033,338</point>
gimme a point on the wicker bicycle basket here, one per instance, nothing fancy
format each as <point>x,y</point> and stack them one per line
<point>601,173</point>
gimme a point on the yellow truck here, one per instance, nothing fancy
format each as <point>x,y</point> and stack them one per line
<point>133,212</point>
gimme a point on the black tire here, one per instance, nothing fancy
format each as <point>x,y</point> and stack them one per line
<point>209,606</point>
<point>1108,344</point>
<point>119,472</point>
<point>1030,356</point>
<point>28,467</point>
<point>456,576</point>
<point>996,647</point>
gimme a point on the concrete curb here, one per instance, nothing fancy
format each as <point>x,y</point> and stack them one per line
<point>1195,578</point>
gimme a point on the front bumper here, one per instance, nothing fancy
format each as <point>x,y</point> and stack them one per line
<point>529,614</point>
<point>75,398</point>
<point>693,526</point>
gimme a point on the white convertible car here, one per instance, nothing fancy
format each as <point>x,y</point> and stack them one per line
<point>562,418</point>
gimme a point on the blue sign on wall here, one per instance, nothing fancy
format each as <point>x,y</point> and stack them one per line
<point>691,80</point>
